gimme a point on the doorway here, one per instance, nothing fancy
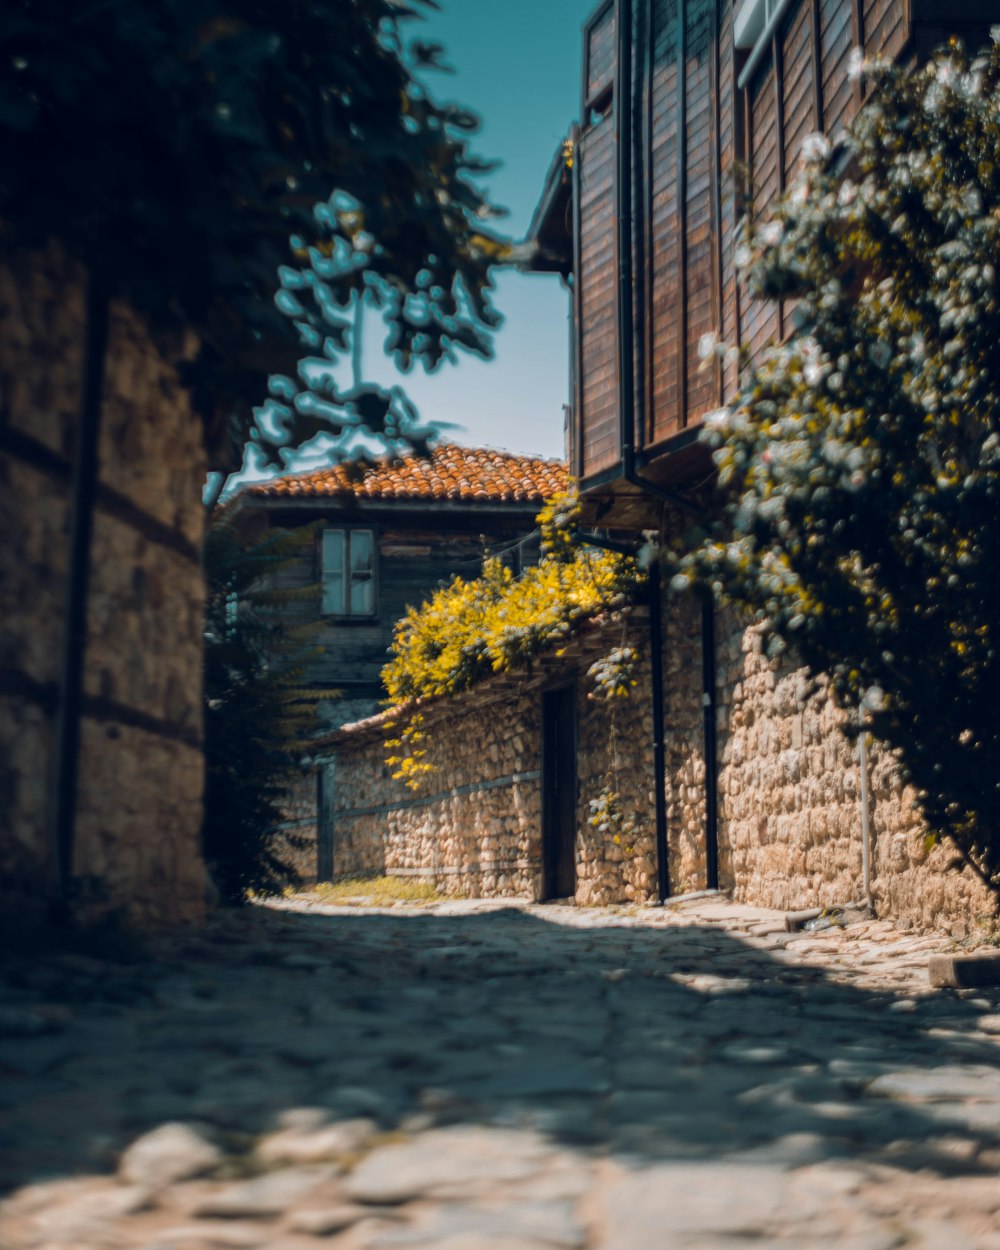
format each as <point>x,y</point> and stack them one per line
<point>324,821</point>
<point>559,793</point>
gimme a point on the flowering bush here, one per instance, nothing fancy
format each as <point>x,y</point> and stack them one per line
<point>497,621</point>
<point>862,458</point>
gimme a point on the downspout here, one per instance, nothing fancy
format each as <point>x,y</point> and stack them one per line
<point>708,687</point>
<point>627,138</point>
<point>628,134</point>
<point>866,829</point>
<point>66,750</point>
<point>659,749</point>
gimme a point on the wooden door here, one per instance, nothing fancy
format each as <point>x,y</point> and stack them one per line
<point>559,793</point>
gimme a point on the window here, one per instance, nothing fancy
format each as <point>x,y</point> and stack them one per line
<point>755,20</point>
<point>348,572</point>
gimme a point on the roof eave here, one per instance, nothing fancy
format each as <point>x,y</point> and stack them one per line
<point>551,244</point>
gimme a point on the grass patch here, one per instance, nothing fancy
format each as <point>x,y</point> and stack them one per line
<point>378,891</point>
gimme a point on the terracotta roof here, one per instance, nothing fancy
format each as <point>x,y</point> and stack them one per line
<point>465,474</point>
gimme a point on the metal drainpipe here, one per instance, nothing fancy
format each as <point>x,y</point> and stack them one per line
<point>866,829</point>
<point>625,114</point>
<point>708,686</point>
<point>66,752</point>
<point>659,749</point>
<point>626,138</point>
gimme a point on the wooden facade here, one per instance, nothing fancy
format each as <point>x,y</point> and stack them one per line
<point>713,132</point>
<point>418,547</point>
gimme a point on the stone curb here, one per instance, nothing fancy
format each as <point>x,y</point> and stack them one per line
<point>964,971</point>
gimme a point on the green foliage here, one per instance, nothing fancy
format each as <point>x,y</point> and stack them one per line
<point>258,716</point>
<point>862,459</point>
<point>176,146</point>
<point>470,629</point>
<point>614,679</point>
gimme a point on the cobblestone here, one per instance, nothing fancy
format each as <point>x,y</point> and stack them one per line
<point>468,1076</point>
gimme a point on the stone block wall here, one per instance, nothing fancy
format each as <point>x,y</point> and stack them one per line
<point>616,749</point>
<point>788,789</point>
<point>300,824</point>
<point>139,802</point>
<point>790,825</point>
<point>474,827</point>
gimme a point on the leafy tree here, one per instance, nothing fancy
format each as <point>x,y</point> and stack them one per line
<point>258,716</point>
<point>186,150</point>
<point>862,458</point>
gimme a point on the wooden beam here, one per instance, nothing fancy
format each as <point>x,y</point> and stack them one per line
<point>858,39</point>
<point>715,124</point>
<point>649,428</point>
<point>778,60</point>
<point>817,64</point>
<point>682,395</point>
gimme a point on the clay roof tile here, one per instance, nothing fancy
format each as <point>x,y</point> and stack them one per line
<point>450,472</point>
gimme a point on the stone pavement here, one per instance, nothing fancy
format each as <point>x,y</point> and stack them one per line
<point>470,1076</point>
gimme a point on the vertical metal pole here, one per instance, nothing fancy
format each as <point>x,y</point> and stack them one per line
<point>866,828</point>
<point>624,139</point>
<point>325,781</point>
<point>708,686</point>
<point>66,751</point>
<point>659,750</point>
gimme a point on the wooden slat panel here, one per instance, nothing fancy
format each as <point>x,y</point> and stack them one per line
<point>601,53</point>
<point>764,157</point>
<point>835,35</point>
<point>665,294</point>
<point>598,420</point>
<point>698,217</point>
<point>727,108</point>
<point>885,27</point>
<point>797,88</point>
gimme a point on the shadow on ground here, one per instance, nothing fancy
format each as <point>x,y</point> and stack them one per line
<point>649,1041</point>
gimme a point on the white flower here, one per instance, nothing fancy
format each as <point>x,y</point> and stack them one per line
<point>772,234</point>
<point>707,345</point>
<point>718,420</point>
<point>813,372</point>
<point>855,63</point>
<point>880,354</point>
<point>742,256</point>
<point>972,201</point>
<point>873,699</point>
<point>815,147</point>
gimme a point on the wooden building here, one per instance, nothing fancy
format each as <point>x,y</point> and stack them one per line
<point>693,119</point>
<point>693,113</point>
<point>391,532</point>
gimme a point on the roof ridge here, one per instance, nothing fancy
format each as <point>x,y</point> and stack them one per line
<point>451,471</point>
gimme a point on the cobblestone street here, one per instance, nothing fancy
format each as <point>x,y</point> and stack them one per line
<point>471,1076</point>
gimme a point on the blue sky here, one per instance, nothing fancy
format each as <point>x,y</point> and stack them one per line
<point>517,65</point>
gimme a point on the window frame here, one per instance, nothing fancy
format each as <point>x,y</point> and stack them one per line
<point>762,17</point>
<point>345,613</point>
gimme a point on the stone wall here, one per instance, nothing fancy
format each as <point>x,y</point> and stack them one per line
<point>790,827</point>
<point>474,827</point>
<point>139,799</point>
<point>788,789</point>
<point>295,839</point>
